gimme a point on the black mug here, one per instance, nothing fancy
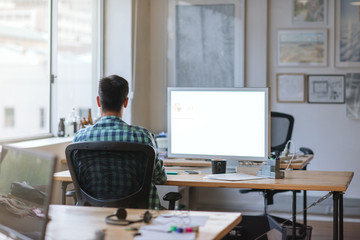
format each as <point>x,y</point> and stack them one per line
<point>218,166</point>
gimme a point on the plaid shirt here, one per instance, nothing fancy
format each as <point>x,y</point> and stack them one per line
<point>112,128</point>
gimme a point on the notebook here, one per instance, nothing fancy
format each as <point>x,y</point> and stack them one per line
<point>26,178</point>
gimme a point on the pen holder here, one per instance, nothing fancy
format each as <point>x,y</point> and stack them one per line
<point>218,166</point>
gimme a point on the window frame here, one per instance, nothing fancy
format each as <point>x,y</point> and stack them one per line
<point>52,77</point>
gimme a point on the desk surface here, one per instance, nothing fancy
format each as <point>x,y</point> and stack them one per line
<point>298,163</point>
<point>74,222</point>
<point>294,180</point>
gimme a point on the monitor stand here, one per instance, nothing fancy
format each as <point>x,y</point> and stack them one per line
<point>271,169</point>
<point>232,166</point>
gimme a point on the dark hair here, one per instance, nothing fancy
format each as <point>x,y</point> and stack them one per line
<point>113,91</point>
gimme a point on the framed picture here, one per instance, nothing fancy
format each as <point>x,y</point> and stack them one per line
<point>309,12</point>
<point>326,88</point>
<point>290,87</point>
<point>302,47</point>
<point>352,90</point>
<point>347,34</point>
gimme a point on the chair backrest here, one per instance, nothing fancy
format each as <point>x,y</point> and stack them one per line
<point>111,174</point>
<point>281,130</point>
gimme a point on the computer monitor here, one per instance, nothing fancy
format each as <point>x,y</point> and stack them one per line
<point>26,178</point>
<point>219,123</point>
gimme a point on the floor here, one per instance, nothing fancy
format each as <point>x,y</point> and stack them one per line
<point>323,230</point>
<point>322,226</point>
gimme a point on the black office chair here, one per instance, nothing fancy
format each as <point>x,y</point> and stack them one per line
<point>111,174</point>
<point>281,131</point>
<point>282,125</point>
<point>97,168</point>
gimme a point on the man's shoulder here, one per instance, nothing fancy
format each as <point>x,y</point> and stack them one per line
<point>80,134</point>
<point>138,128</point>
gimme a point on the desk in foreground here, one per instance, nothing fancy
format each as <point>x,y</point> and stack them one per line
<point>74,222</point>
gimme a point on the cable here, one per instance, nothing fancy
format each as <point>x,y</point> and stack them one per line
<point>311,205</point>
<point>293,155</point>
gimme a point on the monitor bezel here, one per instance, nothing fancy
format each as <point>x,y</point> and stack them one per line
<point>227,157</point>
<point>12,233</point>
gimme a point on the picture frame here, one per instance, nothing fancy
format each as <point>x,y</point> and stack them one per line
<point>309,12</point>
<point>326,89</point>
<point>302,48</point>
<point>290,87</point>
<point>352,89</point>
<point>346,37</point>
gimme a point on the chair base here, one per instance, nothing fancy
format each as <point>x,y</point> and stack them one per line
<point>172,197</point>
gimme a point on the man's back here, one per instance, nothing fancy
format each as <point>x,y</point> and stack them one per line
<point>112,128</point>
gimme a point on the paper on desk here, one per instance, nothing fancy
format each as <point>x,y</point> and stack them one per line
<point>154,235</point>
<point>180,219</point>
<point>160,227</point>
<point>232,176</point>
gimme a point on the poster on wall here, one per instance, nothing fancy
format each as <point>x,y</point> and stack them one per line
<point>353,95</point>
<point>326,88</point>
<point>309,12</point>
<point>290,87</point>
<point>347,35</point>
<point>302,47</point>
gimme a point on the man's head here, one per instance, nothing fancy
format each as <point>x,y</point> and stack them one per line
<point>113,92</point>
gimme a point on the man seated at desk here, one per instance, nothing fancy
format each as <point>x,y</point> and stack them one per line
<point>112,100</point>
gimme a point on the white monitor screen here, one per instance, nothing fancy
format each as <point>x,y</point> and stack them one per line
<point>218,123</point>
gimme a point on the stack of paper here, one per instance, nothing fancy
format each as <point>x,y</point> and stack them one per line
<point>232,176</point>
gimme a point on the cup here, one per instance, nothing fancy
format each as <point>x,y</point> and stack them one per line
<point>218,166</point>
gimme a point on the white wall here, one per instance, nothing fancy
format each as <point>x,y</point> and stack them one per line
<point>255,50</point>
<point>256,46</point>
<point>141,111</point>
<point>118,41</point>
<point>322,127</point>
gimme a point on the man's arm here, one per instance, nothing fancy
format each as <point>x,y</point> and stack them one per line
<point>159,175</point>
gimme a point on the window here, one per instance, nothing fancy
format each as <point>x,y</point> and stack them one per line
<point>24,51</point>
<point>206,45</point>
<point>77,40</point>
<point>26,63</point>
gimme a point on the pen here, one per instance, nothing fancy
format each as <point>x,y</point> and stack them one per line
<point>131,229</point>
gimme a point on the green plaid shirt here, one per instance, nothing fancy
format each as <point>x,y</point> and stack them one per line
<point>111,128</point>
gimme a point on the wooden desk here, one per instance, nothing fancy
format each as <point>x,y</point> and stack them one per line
<point>329,181</point>
<point>300,162</point>
<point>182,162</point>
<point>74,222</point>
<point>294,180</point>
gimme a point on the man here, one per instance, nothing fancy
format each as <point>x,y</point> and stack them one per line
<point>112,100</point>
